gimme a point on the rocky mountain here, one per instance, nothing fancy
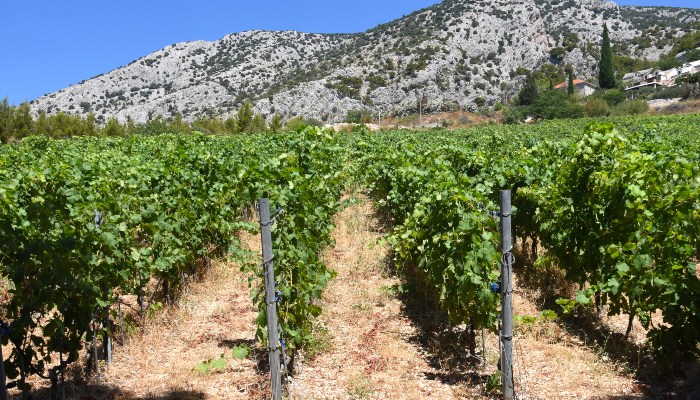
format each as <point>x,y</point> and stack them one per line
<point>456,54</point>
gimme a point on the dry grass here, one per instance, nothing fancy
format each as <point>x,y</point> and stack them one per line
<point>451,120</point>
<point>158,360</point>
<point>371,355</point>
<point>553,363</point>
<point>691,106</point>
<point>216,316</point>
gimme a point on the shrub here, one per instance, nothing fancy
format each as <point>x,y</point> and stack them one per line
<point>596,107</point>
<point>359,116</point>
<point>614,96</point>
<point>555,104</point>
<point>690,90</point>
<point>632,107</point>
<point>514,115</point>
<point>313,122</point>
<point>295,124</point>
<point>669,93</point>
<point>557,53</point>
<point>449,105</point>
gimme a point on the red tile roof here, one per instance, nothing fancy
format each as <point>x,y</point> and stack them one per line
<point>565,84</point>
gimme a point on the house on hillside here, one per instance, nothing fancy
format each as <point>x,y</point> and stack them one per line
<point>654,78</point>
<point>583,88</point>
<point>668,77</point>
<point>637,77</point>
<point>690,68</point>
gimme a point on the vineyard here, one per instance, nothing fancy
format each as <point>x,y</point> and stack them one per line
<point>87,223</point>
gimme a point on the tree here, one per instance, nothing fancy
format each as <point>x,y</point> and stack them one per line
<point>89,128</point>
<point>230,125</point>
<point>42,124</point>
<point>554,104</point>
<point>529,93</point>
<point>258,125</point>
<point>358,116</point>
<point>295,123</point>
<point>244,118</point>
<point>275,124</point>
<point>570,84</point>
<point>606,72</point>
<point>557,53</point>
<point>23,123</point>
<point>570,41</point>
<point>596,107</point>
<point>113,128</point>
<point>178,125</point>
<point>130,125</point>
<point>6,114</point>
<point>692,55</point>
<point>209,125</point>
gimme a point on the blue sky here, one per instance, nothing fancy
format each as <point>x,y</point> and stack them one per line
<point>49,45</point>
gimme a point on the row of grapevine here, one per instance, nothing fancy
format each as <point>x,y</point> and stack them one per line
<point>440,225</point>
<point>617,209</point>
<point>620,213</point>
<point>84,222</point>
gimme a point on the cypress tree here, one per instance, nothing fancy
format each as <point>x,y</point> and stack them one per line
<point>570,85</point>
<point>606,73</point>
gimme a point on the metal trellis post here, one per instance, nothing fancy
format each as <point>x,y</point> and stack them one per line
<point>270,301</point>
<point>507,261</point>
<point>3,382</point>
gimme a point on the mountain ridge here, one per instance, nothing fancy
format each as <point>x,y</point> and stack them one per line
<point>454,54</point>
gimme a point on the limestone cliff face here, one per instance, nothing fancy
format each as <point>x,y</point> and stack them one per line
<point>454,54</point>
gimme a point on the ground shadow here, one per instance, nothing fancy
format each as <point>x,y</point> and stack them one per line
<point>106,392</point>
<point>444,345</point>
<point>259,354</point>
<point>651,380</point>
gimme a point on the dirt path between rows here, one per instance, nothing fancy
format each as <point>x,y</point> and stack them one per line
<point>216,315</point>
<point>372,354</point>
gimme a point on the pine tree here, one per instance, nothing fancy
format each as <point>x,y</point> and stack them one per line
<point>606,73</point>
<point>275,123</point>
<point>23,123</point>
<point>244,118</point>
<point>529,92</point>
<point>130,125</point>
<point>42,126</point>
<point>258,125</point>
<point>113,128</point>
<point>230,125</point>
<point>6,117</point>
<point>89,127</point>
<point>178,125</point>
